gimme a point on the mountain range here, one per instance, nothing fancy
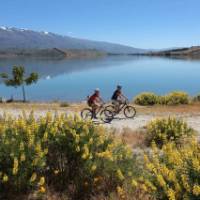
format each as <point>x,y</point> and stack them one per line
<point>24,39</point>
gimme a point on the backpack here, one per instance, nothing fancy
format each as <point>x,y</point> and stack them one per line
<point>89,100</point>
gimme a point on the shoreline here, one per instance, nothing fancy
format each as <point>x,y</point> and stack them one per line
<point>184,108</point>
<point>189,113</point>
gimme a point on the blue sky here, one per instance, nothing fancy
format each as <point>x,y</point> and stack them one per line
<point>139,23</point>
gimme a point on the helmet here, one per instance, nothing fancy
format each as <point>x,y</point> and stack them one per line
<point>97,90</point>
<point>119,87</point>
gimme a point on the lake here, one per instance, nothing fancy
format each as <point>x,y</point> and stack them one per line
<point>73,80</point>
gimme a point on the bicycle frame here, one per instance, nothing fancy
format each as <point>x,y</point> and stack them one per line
<point>99,109</point>
<point>122,106</point>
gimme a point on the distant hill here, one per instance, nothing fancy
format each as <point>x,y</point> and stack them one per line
<point>187,52</point>
<point>14,38</point>
<point>49,53</point>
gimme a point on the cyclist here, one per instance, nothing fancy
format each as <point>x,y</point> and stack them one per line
<point>118,98</point>
<point>95,102</point>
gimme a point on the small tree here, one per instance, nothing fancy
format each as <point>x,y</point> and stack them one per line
<point>18,79</point>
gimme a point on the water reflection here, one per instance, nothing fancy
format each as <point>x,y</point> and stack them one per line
<point>72,80</point>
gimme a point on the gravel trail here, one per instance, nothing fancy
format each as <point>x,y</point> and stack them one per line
<point>119,122</point>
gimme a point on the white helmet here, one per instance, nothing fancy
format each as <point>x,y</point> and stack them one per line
<point>97,90</point>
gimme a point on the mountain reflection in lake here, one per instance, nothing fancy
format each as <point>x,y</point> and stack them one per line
<point>73,80</point>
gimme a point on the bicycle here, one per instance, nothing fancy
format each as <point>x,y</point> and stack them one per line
<point>104,114</point>
<point>128,110</point>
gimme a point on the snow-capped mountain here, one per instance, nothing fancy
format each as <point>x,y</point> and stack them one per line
<point>27,39</point>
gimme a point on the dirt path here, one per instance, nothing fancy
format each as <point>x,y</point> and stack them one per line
<point>141,119</point>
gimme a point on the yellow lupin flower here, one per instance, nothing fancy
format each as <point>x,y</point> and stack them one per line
<point>171,194</point>
<point>33,177</point>
<point>97,179</point>
<point>185,182</point>
<point>85,130</point>
<point>46,151</point>
<point>196,190</point>
<point>15,166</point>
<point>143,187</point>
<point>85,152</point>
<point>77,149</point>
<point>94,167</point>
<point>134,183</point>
<point>56,172</point>
<point>161,180</point>
<point>106,154</point>
<point>121,192</point>
<point>35,161</point>
<point>120,175</point>
<point>84,156</point>
<point>38,147</point>
<point>21,146</point>
<point>77,138</point>
<point>22,157</point>
<point>196,164</point>
<point>5,178</point>
<point>45,137</point>
<point>42,189</point>
<point>90,141</point>
<point>42,181</point>
<point>150,185</point>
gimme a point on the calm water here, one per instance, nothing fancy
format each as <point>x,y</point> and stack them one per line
<point>73,80</point>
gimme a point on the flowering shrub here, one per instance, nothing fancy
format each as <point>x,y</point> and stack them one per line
<point>85,156</point>
<point>22,155</point>
<point>146,98</point>
<point>173,98</point>
<point>65,153</point>
<point>161,131</point>
<point>81,159</point>
<point>196,98</point>
<point>174,172</point>
<point>176,98</point>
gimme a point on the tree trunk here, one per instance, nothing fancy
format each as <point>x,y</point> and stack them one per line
<point>24,94</point>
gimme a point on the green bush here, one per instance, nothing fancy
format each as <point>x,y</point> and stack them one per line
<point>173,98</point>
<point>82,160</point>
<point>22,156</point>
<point>60,152</point>
<point>162,131</point>
<point>173,172</point>
<point>64,104</point>
<point>176,98</point>
<point>162,100</point>
<point>196,98</point>
<point>146,98</point>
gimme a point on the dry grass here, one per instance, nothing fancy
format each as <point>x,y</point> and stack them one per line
<point>51,195</point>
<point>43,106</point>
<point>193,108</point>
<point>133,138</point>
<point>137,194</point>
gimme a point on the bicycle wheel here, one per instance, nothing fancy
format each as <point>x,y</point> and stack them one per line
<point>106,115</point>
<point>129,112</point>
<point>111,110</point>
<point>86,114</point>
